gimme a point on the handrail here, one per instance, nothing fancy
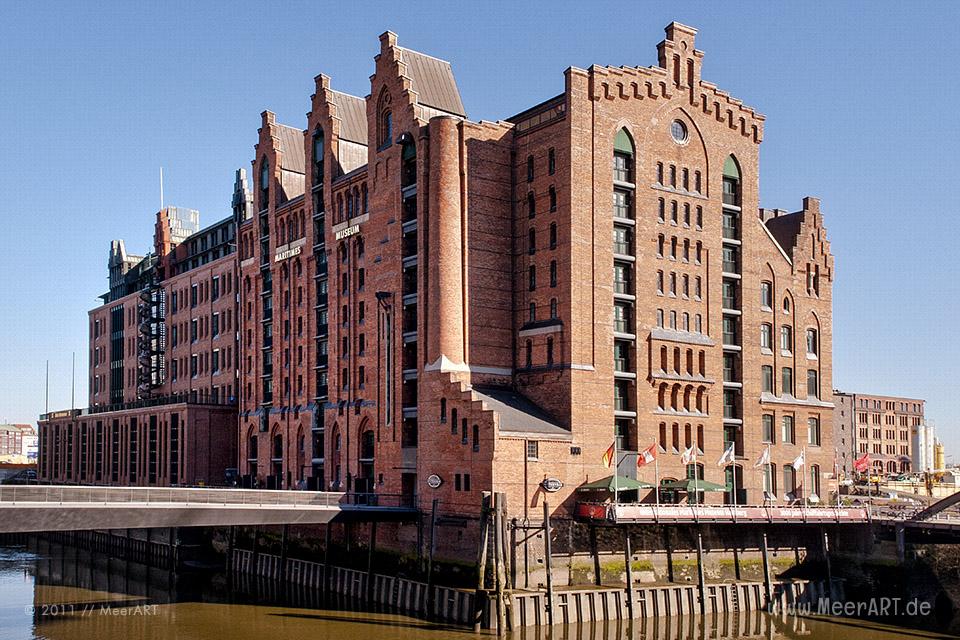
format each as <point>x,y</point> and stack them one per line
<point>103,495</point>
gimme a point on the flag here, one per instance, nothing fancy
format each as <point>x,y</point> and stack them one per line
<point>862,463</point>
<point>689,456</point>
<point>799,461</point>
<point>764,458</point>
<point>608,456</point>
<point>728,456</point>
<point>647,456</point>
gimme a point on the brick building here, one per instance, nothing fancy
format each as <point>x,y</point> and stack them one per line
<point>891,430</point>
<point>429,307</point>
<point>15,439</point>
<point>162,361</point>
<point>432,306</point>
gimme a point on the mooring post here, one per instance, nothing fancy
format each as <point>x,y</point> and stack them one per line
<point>370,551</point>
<point>513,553</point>
<point>283,552</point>
<point>736,563</point>
<point>669,548</point>
<point>595,552</point>
<point>546,561</point>
<point>479,596</point>
<point>701,578</point>
<point>498,573</point>
<point>231,541</point>
<point>171,549</point>
<point>326,556</point>
<point>767,588</point>
<point>433,545</point>
<point>901,534</point>
<point>825,540</point>
<point>628,564</point>
<point>255,560</point>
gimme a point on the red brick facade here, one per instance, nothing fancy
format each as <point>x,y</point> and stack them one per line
<point>476,309</point>
<point>431,307</point>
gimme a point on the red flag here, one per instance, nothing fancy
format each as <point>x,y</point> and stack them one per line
<point>647,456</point>
<point>607,458</point>
<point>862,463</point>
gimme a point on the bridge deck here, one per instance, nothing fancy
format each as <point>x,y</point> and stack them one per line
<point>728,514</point>
<point>76,508</point>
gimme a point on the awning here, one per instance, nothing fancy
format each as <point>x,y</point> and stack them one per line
<point>622,483</point>
<point>691,485</point>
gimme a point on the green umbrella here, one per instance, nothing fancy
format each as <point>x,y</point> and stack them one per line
<point>689,485</point>
<point>607,484</point>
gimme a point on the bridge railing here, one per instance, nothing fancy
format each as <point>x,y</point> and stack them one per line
<point>66,495</point>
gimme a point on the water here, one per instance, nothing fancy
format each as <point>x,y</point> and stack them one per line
<point>55,592</point>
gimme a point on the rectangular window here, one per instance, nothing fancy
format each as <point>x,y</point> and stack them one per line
<point>766,295</point>
<point>786,384</point>
<point>767,376</point>
<point>787,434</point>
<point>766,336</point>
<point>786,338</point>
<point>813,431</point>
<point>813,384</point>
<point>533,449</point>
<point>767,431</point>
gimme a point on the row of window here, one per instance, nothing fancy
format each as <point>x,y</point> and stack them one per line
<point>669,440</point>
<point>787,382</point>
<point>551,164</point>
<point>692,216</point>
<point>532,239</point>
<point>201,328</point>
<point>532,202</point>
<point>528,353</point>
<point>786,339</point>
<point>788,430</point>
<point>679,322</point>
<point>682,178</point>
<point>532,275</point>
<point>668,285</point>
<point>462,426</point>
<point>689,251</point>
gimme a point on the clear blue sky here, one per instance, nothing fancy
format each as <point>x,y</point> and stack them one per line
<point>861,102</point>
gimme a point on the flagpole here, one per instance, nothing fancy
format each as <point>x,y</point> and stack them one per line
<point>616,471</point>
<point>770,470</point>
<point>733,475</point>
<point>656,475</point>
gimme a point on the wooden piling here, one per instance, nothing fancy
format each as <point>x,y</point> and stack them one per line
<point>478,599</point>
<point>628,565</point>
<point>595,552</point>
<point>825,539</point>
<point>513,554</point>
<point>433,547</point>
<point>547,562</point>
<point>736,563</point>
<point>767,589</point>
<point>701,578</point>
<point>370,551</point>
<point>283,552</point>
<point>667,544</point>
<point>326,556</point>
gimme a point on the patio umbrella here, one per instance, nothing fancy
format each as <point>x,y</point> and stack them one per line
<point>623,483</point>
<point>691,485</point>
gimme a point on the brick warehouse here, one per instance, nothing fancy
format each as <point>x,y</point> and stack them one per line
<point>431,307</point>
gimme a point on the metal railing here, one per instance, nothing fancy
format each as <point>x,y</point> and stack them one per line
<point>66,495</point>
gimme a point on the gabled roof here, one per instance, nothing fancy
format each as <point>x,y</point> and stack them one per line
<point>291,146</point>
<point>352,112</point>
<point>785,228</point>
<point>433,81</point>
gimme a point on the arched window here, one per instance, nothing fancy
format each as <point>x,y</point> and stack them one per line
<point>623,153</point>
<point>553,308</point>
<point>531,241</point>
<point>366,445</point>
<point>531,205</point>
<point>264,184</point>
<point>553,199</point>
<point>408,167</point>
<point>318,156</point>
<point>529,353</point>
<point>386,128</point>
<point>731,182</point>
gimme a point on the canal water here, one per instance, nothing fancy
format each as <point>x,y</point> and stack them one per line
<point>52,592</point>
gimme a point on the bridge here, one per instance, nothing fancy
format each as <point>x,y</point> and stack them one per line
<point>34,508</point>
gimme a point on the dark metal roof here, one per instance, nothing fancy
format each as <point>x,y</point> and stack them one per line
<point>291,146</point>
<point>785,229</point>
<point>352,112</point>
<point>433,81</point>
<point>518,414</point>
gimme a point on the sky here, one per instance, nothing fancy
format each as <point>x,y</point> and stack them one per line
<point>860,100</point>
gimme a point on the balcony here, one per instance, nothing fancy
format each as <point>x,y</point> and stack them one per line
<point>409,397</point>
<point>409,281</point>
<point>731,227</point>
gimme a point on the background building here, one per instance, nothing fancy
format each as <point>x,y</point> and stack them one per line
<point>163,370</point>
<point>888,428</point>
<point>18,444</point>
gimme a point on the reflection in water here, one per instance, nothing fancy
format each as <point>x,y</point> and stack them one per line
<point>58,593</point>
